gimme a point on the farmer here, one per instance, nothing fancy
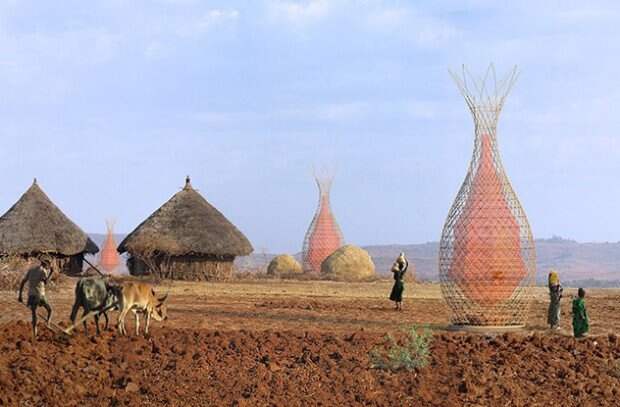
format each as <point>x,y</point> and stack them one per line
<point>581,324</point>
<point>555,295</point>
<point>37,278</point>
<point>399,268</point>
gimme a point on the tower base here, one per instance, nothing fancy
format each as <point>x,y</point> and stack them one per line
<point>482,329</point>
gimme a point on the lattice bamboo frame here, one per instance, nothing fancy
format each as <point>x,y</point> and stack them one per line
<point>324,235</point>
<point>109,259</point>
<point>487,258</point>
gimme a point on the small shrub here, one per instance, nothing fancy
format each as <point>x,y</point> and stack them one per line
<point>411,353</point>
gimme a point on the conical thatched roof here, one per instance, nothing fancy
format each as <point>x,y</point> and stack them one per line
<point>187,225</point>
<point>35,225</point>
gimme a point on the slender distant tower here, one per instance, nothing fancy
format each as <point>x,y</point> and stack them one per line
<point>110,259</point>
<point>487,259</point>
<point>324,236</point>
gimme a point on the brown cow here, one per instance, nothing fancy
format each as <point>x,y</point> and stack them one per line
<point>140,298</point>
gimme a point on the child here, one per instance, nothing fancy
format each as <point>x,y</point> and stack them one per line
<point>581,324</point>
<point>37,278</point>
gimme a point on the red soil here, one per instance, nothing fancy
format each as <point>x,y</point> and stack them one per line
<point>183,367</point>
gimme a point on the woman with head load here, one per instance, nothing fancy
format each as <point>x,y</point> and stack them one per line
<point>399,268</point>
<point>581,323</point>
<point>555,295</point>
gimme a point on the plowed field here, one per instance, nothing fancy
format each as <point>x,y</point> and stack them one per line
<point>305,343</point>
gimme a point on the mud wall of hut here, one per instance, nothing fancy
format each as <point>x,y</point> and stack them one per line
<point>187,268</point>
<point>70,265</point>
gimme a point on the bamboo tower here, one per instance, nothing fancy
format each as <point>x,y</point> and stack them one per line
<point>487,259</point>
<point>110,260</point>
<point>324,236</point>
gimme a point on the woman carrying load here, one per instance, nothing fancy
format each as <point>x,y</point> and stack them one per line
<point>399,268</point>
<point>555,295</point>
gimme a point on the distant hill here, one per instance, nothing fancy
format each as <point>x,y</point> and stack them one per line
<point>576,261</point>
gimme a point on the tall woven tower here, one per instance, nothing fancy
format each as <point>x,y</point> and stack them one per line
<point>487,259</point>
<point>110,259</point>
<point>324,236</point>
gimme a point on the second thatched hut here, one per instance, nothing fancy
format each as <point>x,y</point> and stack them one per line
<point>186,239</point>
<point>36,229</point>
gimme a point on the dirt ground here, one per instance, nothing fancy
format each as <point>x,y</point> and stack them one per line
<point>273,343</point>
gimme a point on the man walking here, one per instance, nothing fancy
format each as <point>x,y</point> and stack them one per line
<point>37,278</point>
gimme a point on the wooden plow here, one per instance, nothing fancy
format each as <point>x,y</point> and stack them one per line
<point>72,327</point>
<point>69,330</point>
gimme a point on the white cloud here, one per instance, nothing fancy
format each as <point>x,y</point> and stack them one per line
<point>424,29</point>
<point>337,112</point>
<point>43,65</point>
<point>161,35</point>
<point>341,111</point>
<point>209,20</point>
<point>422,109</point>
<point>155,50</point>
<point>387,18</point>
<point>299,12</point>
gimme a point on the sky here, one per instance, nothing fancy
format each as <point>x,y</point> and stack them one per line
<point>110,104</point>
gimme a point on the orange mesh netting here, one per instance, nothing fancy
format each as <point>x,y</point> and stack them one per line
<point>110,259</point>
<point>487,262</point>
<point>323,236</point>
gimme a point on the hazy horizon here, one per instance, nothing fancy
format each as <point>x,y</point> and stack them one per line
<point>111,104</point>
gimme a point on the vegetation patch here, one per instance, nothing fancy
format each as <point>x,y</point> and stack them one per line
<point>410,353</point>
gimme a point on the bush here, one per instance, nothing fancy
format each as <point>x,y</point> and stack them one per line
<point>412,353</point>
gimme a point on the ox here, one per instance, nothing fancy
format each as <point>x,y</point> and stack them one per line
<point>96,295</point>
<point>140,298</point>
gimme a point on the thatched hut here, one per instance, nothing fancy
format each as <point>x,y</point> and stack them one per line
<point>34,229</point>
<point>186,239</point>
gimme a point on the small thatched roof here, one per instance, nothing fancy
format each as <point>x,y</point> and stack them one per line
<point>35,225</point>
<point>187,225</point>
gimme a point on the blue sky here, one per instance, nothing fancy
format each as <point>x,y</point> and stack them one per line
<point>111,103</point>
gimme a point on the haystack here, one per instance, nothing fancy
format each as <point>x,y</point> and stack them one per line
<point>186,239</point>
<point>349,263</point>
<point>283,265</point>
<point>34,228</point>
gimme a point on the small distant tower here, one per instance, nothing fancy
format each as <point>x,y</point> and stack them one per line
<point>110,259</point>
<point>324,236</point>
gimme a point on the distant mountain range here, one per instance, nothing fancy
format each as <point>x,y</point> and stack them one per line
<point>575,261</point>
